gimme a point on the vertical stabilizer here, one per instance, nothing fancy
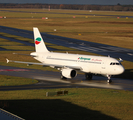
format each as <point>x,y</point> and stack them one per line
<point>39,43</point>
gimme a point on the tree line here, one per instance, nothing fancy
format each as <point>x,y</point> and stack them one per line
<point>117,7</point>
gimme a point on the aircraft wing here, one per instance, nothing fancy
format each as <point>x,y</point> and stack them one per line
<point>25,54</point>
<point>28,63</point>
<point>50,65</point>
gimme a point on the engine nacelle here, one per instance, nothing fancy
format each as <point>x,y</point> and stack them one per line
<point>69,73</point>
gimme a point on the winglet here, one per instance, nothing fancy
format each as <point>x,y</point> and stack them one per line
<point>7,60</point>
<point>120,60</point>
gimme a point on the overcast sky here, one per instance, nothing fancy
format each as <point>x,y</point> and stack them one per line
<point>98,2</point>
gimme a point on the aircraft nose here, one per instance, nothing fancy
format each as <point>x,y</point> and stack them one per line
<point>120,70</point>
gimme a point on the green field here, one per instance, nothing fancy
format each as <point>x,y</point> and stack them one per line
<point>80,103</point>
<point>86,103</point>
<point>13,81</point>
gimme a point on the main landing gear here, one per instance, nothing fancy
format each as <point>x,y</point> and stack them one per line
<point>88,76</point>
<point>63,78</point>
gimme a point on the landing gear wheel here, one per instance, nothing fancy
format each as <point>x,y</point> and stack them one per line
<point>63,78</point>
<point>109,81</point>
<point>88,76</point>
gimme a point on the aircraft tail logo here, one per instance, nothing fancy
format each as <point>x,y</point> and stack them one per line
<point>38,40</point>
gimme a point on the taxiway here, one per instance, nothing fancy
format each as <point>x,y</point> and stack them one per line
<point>50,80</point>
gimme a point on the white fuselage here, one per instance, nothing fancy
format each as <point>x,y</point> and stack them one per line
<point>88,63</point>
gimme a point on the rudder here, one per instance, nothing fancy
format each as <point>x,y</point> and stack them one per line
<point>39,43</point>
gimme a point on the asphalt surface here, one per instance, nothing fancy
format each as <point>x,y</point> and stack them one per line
<point>101,49</point>
<point>50,80</point>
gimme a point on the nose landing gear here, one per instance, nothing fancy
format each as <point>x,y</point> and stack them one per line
<point>109,79</point>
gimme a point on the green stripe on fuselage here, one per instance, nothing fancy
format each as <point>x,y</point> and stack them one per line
<point>81,58</point>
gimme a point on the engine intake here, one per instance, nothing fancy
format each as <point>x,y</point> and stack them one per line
<point>69,73</point>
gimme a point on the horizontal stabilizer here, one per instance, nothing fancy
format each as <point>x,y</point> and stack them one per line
<point>7,60</point>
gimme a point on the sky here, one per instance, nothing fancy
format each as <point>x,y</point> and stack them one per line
<point>97,2</point>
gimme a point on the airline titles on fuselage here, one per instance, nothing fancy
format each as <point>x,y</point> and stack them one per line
<point>80,59</point>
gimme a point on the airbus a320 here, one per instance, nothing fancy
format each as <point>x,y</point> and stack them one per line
<point>70,64</point>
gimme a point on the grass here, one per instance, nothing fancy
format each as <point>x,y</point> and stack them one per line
<point>13,81</point>
<point>80,103</point>
<point>74,12</point>
<point>8,43</point>
<point>61,48</point>
<point>16,37</point>
<point>19,48</point>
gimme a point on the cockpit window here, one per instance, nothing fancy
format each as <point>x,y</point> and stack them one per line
<point>115,63</point>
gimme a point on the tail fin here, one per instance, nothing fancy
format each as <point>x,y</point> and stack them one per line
<point>39,43</point>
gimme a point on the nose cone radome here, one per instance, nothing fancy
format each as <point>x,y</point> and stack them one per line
<point>120,69</point>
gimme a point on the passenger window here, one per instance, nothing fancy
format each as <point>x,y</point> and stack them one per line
<point>110,63</point>
<point>113,63</point>
<point>117,64</point>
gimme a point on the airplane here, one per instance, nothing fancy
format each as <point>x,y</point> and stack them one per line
<point>70,64</point>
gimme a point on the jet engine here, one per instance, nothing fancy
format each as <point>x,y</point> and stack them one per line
<point>69,73</point>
